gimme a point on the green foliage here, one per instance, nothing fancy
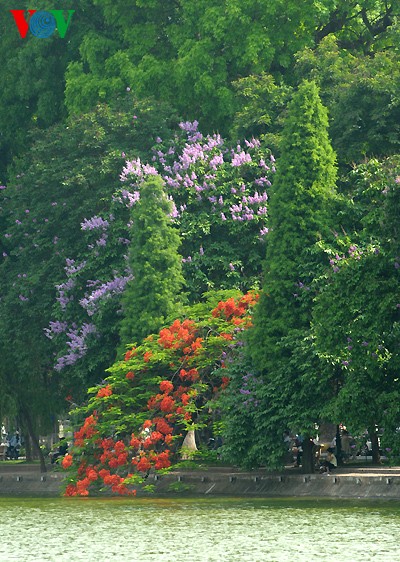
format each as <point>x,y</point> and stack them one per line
<point>259,407</point>
<point>360,92</point>
<point>33,75</point>
<point>192,53</point>
<point>299,208</point>
<point>262,104</point>
<point>356,314</point>
<point>154,294</point>
<point>282,378</point>
<point>66,176</point>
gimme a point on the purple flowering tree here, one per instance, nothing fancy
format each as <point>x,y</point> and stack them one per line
<point>64,183</point>
<point>218,199</point>
<point>219,196</point>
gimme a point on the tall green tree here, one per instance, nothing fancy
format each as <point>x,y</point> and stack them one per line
<point>291,393</point>
<point>155,293</point>
<point>299,211</point>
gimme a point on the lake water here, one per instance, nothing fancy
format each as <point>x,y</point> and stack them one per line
<point>198,530</point>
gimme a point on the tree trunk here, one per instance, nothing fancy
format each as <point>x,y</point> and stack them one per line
<point>376,458</point>
<point>189,445</point>
<point>28,448</point>
<point>34,439</point>
<point>307,459</point>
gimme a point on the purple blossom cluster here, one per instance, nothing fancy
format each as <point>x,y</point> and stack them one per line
<point>189,126</point>
<point>249,384</point>
<point>241,158</point>
<point>116,286</point>
<point>262,181</point>
<point>94,223</point>
<point>174,214</point>
<point>334,262</point>
<point>242,212</point>
<point>179,168</point>
<point>354,252</point>
<point>102,241</point>
<point>131,168</point>
<point>72,267</point>
<point>55,328</point>
<point>253,143</point>
<point>77,346</point>
<point>199,172</point>
<point>129,198</point>
<point>62,298</point>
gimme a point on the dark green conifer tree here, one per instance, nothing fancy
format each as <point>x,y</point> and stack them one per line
<point>299,212</point>
<point>293,390</point>
<point>155,292</point>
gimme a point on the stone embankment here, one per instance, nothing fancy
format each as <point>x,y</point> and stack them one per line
<point>346,482</point>
<point>27,480</point>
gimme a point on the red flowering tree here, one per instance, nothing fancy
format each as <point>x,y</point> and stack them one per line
<point>136,421</point>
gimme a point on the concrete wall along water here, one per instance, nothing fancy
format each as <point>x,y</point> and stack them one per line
<point>380,483</point>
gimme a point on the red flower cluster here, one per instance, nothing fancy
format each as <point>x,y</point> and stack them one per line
<point>116,482</point>
<point>185,399</point>
<point>86,431</point>
<point>67,461</point>
<point>180,356</point>
<point>178,335</point>
<point>163,426</point>
<point>166,386</point>
<point>231,308</point>
<point>167,404</point>
<point>225,382</point>
<point>162,460</point>
<point>104,392</point>
<point>147,356</point>
<point>114,453</point>
<point>191,375</point>
<point>135,442</point>
<point>143,465</point>
<point>130,353</point>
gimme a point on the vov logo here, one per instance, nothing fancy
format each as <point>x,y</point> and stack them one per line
<point>42,24</point>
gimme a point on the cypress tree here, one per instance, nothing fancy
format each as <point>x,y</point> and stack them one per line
<point>154,294</point>
<point>299,213</point>
<point>293,391</point>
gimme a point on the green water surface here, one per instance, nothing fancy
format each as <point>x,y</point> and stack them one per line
<point>197,530</point>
